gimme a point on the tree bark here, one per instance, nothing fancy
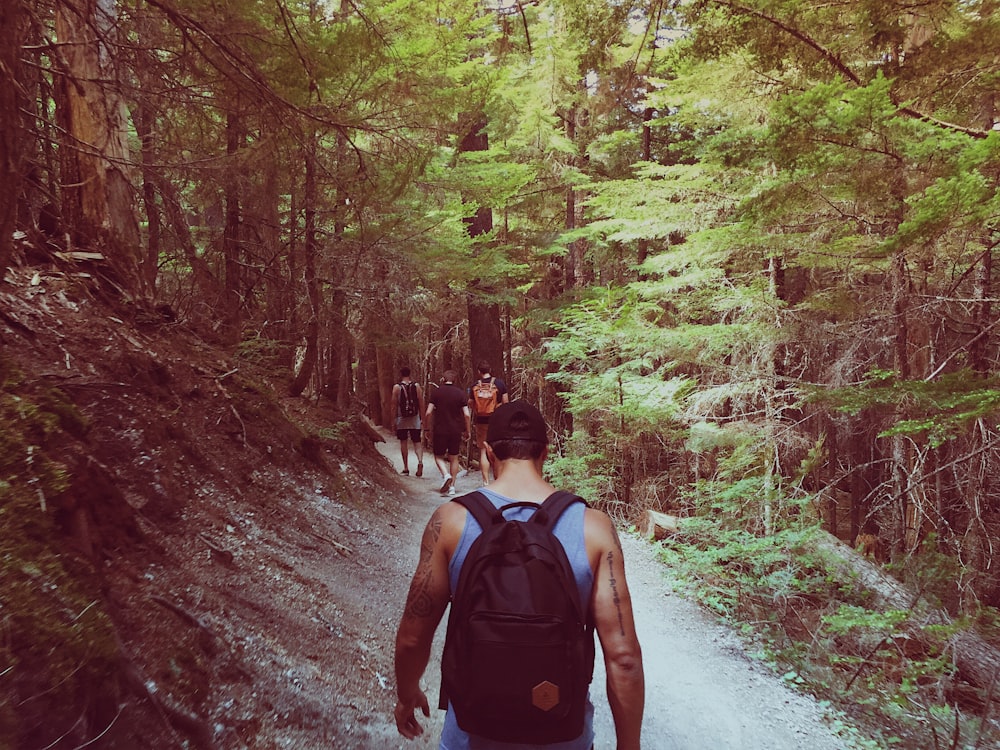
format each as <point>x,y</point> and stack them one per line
<point>339,386</point>
<point>647,155</point>
<point>144,124</point>
<point>12,35</point>
<point>301,379</point>
<point>97,192</point>
<point>485,342</point>
<point>232,235</point>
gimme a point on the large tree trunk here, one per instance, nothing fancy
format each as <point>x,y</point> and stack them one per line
<point>232,235</point>
<point>12,34</point>
<point>485,342</point>
<point>339,385</point>
<point>144,125</point>
<point>647,155</point>
<point>978,663</point>
<point>903,536</point>
<point>97,192</point>
<point>305,372</point>
<point>578,272</point>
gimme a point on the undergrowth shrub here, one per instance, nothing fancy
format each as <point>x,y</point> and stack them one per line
<point>888,673</point>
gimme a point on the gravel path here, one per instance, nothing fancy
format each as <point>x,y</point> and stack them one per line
<point>702,690</point>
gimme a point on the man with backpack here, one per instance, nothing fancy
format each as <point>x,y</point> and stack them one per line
<point>485,395</point>
<point>408,403</point>
<point>530,573</point>
<point>448,416</point>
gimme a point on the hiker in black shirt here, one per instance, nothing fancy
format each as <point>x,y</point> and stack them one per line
<point>448,417</point>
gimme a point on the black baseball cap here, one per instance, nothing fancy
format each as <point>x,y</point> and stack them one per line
<point>517,420</point>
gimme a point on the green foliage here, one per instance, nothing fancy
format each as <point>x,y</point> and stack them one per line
<point>582,468</point>
<point>813,623</point>
<point>941,409</point>
<point>339,433</point>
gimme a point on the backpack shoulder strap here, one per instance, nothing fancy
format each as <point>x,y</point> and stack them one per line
<point>554,506</point>
<point>481,509</point>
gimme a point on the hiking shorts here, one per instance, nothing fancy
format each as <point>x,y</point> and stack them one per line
<point>447,443</point>
<point>411,435</point>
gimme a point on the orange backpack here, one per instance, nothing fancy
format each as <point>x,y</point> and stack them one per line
<point>484,397</point>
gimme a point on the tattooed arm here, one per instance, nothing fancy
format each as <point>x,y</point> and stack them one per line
<point>612,606</point>
<point>425,604</point>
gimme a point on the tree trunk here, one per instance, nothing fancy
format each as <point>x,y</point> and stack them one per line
<point>144,121</point>
<point>232,235</point>
<point>647,155</point>
<point>979,347</point>
<point>97,192</point>
<point>301,379</point>
<point>485,342</point>
<point>275,279</point>
<point>578,274</point>
<point>978,663</point>
<point>902,536</point>
<point>12,35</point>
<point>339,385</point>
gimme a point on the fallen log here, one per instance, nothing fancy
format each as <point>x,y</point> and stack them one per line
<point>659,526</point>
<point>978,662</point>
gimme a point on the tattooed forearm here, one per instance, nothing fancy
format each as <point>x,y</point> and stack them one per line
<point>418,601</point>
<point>614,590</point>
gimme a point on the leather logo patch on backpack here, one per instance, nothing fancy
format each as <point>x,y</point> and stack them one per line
<point>545,696</point>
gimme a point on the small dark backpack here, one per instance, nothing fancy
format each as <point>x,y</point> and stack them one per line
<point>519,651</point>
<point>407,399</point>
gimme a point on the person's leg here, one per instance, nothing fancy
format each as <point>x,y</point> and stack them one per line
<point>403,435</point>
<point>439,445</point>
<point>484,466</point>
<point>418,448</point>
<point>454,471</point>
<point>452,447</point>
<point>484,461</point>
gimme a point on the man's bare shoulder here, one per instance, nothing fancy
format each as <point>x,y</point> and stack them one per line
<point>599,532</point>
<point>449,519</point>
<point>598,519</point>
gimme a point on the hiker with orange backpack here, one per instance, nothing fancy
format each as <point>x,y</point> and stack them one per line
<point>485,395</point>
<point>530,574</point>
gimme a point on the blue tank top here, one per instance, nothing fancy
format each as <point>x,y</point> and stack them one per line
<point>569,531</point>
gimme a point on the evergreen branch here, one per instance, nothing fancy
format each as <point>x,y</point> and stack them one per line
<point>843,68</point>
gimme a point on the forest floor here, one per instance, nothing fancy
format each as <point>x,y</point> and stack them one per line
<point>254,553</point>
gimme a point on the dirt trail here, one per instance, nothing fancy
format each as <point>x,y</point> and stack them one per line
<point>702,690</point>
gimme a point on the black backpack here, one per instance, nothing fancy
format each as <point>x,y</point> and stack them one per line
<point>408,399</point>
<point>519,651</point>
